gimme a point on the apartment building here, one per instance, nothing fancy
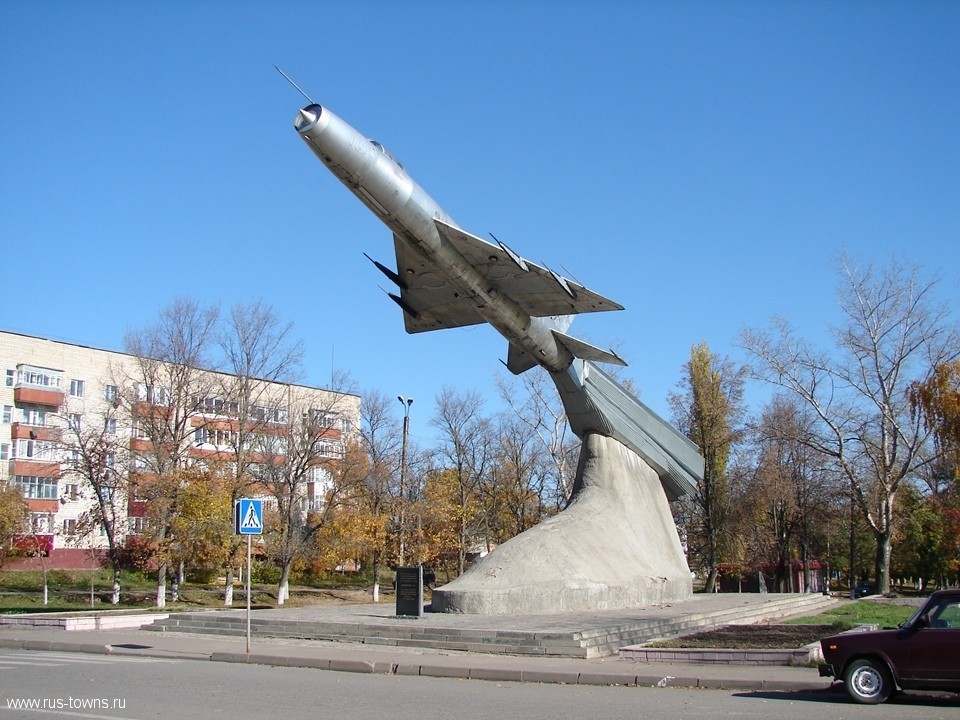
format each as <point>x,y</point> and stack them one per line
<point>53,389</point>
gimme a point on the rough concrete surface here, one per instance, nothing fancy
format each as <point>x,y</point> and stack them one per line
<point>614,546</point>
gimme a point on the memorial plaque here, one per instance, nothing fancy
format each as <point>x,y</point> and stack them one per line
<point>410,591</point>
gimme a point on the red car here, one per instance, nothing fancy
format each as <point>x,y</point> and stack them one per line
<point>922,654</point>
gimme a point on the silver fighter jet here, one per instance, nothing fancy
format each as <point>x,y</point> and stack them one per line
<point>449,278</point>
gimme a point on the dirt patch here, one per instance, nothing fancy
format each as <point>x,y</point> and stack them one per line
<point>761,637</point>
<point>334,597</point>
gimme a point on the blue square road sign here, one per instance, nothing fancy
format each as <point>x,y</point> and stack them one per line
<point>248,516</point>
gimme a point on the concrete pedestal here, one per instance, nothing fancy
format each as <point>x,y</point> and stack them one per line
<point>615,546</point>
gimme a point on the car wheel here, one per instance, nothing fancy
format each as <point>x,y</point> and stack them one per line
<point>868,681</point>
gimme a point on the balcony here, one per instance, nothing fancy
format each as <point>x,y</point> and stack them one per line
<point>35,468</point>
<point>25,431</point>
<point>141,444</point>
<point>38,386</point>
<point>34,395</point>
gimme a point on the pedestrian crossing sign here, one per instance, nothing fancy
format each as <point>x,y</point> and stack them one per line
<point>248,516</point>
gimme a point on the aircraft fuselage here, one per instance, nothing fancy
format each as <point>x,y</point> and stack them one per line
<point>383,185</point>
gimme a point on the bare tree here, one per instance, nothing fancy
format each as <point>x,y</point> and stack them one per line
<point>169,371</point>
<point>893,334</point>
<point>534,400</point>
<point>300,466</point>
<point>258,351</point>
<point>790,489</point>
<point>513,493</point>
<point>380,439</point>
<point>96,454</point>
<point>464,451</point>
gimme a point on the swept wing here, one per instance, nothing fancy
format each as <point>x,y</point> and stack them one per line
<point>430,303</point>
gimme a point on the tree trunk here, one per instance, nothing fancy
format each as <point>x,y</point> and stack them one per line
<point>228,589</point>
<point>853,549</point>
<point>883,563</point>
<point>43,570</point>
<point>710,585</point>
<point>284,590</point>
<point>162,586</point>
<point>115,598</point>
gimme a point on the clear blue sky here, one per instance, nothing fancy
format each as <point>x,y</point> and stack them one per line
<point>700,163</point>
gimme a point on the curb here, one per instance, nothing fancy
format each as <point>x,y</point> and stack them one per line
<point>460,672</point>
<point>798,657</point>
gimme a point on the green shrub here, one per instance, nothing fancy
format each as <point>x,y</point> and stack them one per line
<point>265,573</point>
<point>203,576</point>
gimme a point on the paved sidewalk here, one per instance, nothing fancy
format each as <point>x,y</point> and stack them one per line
<point>354,657</point>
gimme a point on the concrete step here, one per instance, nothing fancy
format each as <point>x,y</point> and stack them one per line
<point>596,637</point>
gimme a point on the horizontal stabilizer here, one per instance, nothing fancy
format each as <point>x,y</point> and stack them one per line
<point>586,351</point>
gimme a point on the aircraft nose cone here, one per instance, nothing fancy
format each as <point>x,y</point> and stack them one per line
<point>307,117</point>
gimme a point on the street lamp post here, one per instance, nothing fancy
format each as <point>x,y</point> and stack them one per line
<point>406,402</point>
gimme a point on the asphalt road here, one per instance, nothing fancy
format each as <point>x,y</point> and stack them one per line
<point>68,686</point>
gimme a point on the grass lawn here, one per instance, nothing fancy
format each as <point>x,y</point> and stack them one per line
<point>70,591</point>
<point>860,612</point>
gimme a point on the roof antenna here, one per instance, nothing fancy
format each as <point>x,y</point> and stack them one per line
<point>299,89</point>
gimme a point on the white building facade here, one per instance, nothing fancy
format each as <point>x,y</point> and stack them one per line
<point>52,389</point>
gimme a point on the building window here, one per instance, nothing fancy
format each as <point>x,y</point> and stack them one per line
<point>40,377</point>
<point>76,388</point>
<point>34,416</point>
<point>215,406</point>
<point>110,393</point>
<point>327,419</point>
<point>219,438</point>
<point>35,450</point>
<point>328,449</point>
<point>74,420</point>
<point>69,526</point>
<point>152,394</point>
<point>37,488</point>
<point>10,377</point>
<point>7,414</point>
<point>41,523</point>
<point>4,451</point>
<point>264,414</point>
<point>141,429</point>
<point>71,491</point>
<point>110,426</point>
<point>138,525</point>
